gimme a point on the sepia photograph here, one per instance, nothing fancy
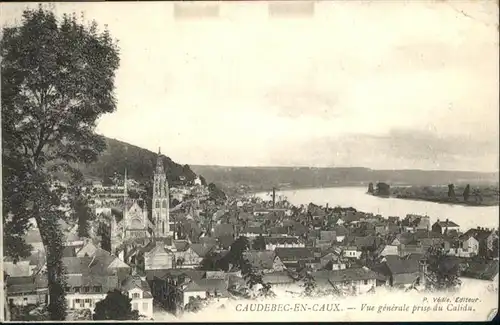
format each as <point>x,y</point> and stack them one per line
<point>262,161</point>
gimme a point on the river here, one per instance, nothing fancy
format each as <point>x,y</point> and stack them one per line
<point>465,216</point>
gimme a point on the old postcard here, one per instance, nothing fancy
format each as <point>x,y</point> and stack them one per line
<point>250,161</point>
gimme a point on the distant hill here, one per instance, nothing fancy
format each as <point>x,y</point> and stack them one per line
<point>264,178</point>
<point>139,162</point>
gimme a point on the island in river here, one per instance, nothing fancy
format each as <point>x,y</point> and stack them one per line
<point>478,195</point>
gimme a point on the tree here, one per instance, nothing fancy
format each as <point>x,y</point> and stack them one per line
<point>466,193</point>
<point>57,80</point>
<point>116,306</point>
<point>259,243</point>
<point>451,191</point>
<point>309,285</point>
<point>383,189</point>
<point>255,277</point>
<point>194,305</point>
<point>235,254</point>
<point>82,212</point>
<point>443,271</point>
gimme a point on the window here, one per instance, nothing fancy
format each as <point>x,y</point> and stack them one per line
<point>88,301</point>
<point>97,289</point>
<point>82,303</point>
<point>67,289</point>
<point>165,204</point>
<point>157,204</point>
<point>145,306</point>
<point>134,306</point>
<point>136,295</point>
<point>86,289</point>
<point>77,289</point>
<point>77,301</point>
<point>365,282</point>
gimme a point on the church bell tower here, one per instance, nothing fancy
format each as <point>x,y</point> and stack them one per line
<point>160,200</point>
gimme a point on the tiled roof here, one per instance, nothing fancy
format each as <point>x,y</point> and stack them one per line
<point>280,277</point>
<point>135,281</point>
<point>260,259</point>
<point>328,235</point>
<point>280,240</point>
<point>202,249</point>
<point>294,253</point>
<point>209,285</point>
<point>400,266</point>
<point>448,223</point>
<point>181,245</point>
<point>354,274</point>
<point>223,229</point>
<point>33,236</point>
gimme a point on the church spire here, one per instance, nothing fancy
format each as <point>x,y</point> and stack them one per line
<point>159,163</point>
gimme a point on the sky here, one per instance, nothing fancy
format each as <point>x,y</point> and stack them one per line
<point>378,84</point>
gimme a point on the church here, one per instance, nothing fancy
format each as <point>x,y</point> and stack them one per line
<point>133,224</point>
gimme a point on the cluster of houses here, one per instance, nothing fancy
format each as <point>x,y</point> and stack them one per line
<point>344,250</point>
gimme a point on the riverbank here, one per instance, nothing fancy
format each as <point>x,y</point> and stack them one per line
<point>479,196</point>
<point>466,216</point>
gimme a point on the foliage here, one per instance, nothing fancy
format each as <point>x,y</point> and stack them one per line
<point>139,162</point>
<point>309,285</point>
<point>383,189</point>
<point>259,243</point>
<point>254,277</point>
<point>443,271</point>
<point>81,211</point>
<point>466,193</point>
<point>57,80</point>
<point>194,305</point>
<point>451,191</point>
<point>371,190</point>
<point>216,194</point>
<point>235,255</point>
<point>116,306</point>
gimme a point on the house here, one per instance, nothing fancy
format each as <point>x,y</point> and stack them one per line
<point>467,246</point>
<point>158,258</point>
<point>329,235</point>
<point>295,256</point>
<point>414,222</point>
<point>332,261</point>
<point>407,249</point>
<point>282,242</point>
<point>206,288</point>
<point>26,290</point>
<point>340,232</point>
<point>281,280</point>
<point>279,231</point>
<point>252,232</point>
<point>352,252</point>
<point>358,280</point>
<point>390,250</point>
<point>485,239</point>
<point>190,256</point>
<point>267,261</point>
<point>401,272</point>
<point>89,249</point>
<point>444,226</point>
<point>139,291</point>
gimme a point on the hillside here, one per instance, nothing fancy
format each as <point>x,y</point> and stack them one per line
<point>139,162</point>
<point>264,178</point>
